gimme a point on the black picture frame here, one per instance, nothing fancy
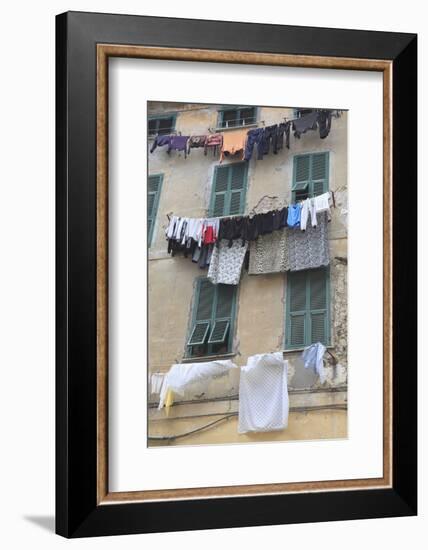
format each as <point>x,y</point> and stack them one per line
<point>77,512</point>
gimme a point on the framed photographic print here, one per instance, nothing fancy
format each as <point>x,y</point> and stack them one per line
<point>236,276</point>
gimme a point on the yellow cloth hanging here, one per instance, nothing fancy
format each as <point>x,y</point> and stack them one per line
<point>169,400</point>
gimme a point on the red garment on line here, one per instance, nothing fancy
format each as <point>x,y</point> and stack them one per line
<point>209,235</point>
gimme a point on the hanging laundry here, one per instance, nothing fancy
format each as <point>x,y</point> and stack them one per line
<point>324,123</point>
<point>303,124</point>
<point>283,131</point>
<point>160,141</point>
<point>293,218</point>
<point>250,229</point>
<point>194,229</point>
<point>313,359</point>
<point>178,143</point>
<point>214,142</point>
<point>226,262</point>
<point>184,377</point>
<point>210,230</point>
<point>322,203</point>
<point>202,255</point>
<point>156,381</point>
<point>232,228</point>
<point>254,139</point>
<point>266,222</point>
<point>266,138</point>
<point>196,142</point>
<point>170,230</point>
<point>263,394</point>
<point>278,219</point>
<point>269,139</point>
<point>233,143</point>
<point>308,208</point>
<point>268,254</point>
<point>309,249</point>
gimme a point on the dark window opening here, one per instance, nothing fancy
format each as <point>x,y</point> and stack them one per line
<point>230,118</point>
<point>161,126</point>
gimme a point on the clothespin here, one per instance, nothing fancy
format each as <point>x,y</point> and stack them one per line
<point>333,199</point>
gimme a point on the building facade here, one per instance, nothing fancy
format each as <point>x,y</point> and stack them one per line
<point>264,313</point>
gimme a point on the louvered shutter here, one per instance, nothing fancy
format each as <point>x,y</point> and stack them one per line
<point>199,334</point>
<point>220,191</point>
<point>153,192</point>
<point>318,306</point>
<point>219,332</point>
<point>237,182</point>
<point>301,177</point>
<point>204,304</point>
<point>228,195</point>
<point>310,175</point>
<point>205,300</point>
<point>319,173</point>
<point>297,298</point>
<point>225,300</point>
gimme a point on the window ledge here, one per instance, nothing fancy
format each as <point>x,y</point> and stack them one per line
<point>255,125</point>
<point>297,350</point>
<point>208,358</point>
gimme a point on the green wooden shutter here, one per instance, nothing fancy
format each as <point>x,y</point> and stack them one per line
<point>222,314</point>
<point>237,188</point>
<point>203,311</point>
<point>308,308</point>
<point>319,173</point>
<point>228,191</point>
<point>214,310</point>
<point>205,300</point>
<point>220,191</point>
<point>310,175</point>
<point>317,282</point>
<point>301,177</point>
<point>296,322</point>
<point>154,185</point>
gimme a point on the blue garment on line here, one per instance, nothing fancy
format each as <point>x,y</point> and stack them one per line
<point>160,141</point>
<point>313,359</point>
<point>293,219</point>
<point>254,138</point>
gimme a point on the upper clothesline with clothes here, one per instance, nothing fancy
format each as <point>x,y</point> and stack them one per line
<point>292,238</point>
<point>242,142</point>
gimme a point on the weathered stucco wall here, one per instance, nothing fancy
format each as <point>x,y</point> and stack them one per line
<point>260,320</point>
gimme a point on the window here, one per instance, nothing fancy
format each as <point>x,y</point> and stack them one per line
<point>154,186</point>
<point>211,330</point>
<point>161,124</point>
<point>310,176</point>
<point>237,116</point>
<point>229,189</point>
<point>308,308</point>
<point>298,113</point>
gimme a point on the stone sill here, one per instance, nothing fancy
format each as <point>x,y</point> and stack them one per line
<point>218,130</point>
<point>298,350</point>
<point>208,358</point>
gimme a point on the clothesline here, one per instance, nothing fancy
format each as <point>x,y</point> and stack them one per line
<point>244,141</point>
<point>262,123</point>
<point>252,211</point>
<point>292,238</point>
